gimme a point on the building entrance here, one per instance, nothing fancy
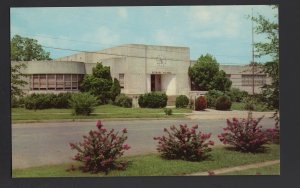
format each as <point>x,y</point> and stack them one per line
<point>155,82</point>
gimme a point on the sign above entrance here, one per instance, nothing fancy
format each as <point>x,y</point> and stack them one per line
<point>161,72</point>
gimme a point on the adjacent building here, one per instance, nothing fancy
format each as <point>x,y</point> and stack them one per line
<point>139,69</point>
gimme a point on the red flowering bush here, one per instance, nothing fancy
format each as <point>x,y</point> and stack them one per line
<point>245,134</point>
<point>201,103</point>
<point>184,143</point>
<point>100,150</point>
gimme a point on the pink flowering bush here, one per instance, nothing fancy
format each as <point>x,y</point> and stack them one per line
<point>100,150</point>
<point>274,134</point>
<point>245,135</point>
<point>184,143</point>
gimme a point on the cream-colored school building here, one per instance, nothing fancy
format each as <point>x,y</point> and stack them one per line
<point>139,69</point>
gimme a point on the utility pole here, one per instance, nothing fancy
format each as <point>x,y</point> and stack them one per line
<point>253,63</point>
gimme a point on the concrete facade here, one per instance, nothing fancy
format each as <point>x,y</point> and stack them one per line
<point>139,68</point>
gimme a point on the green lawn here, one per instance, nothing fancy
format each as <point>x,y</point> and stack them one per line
<point>267,170</point>
<point>240,106</point>
<point>101,112</point>
<point>154,165</point>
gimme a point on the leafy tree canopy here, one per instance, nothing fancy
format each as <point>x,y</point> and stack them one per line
<point>205,75</point>
<point>17,80</point>
<point>99,83</point>
<point>270,47</point>
<point>27,49</point>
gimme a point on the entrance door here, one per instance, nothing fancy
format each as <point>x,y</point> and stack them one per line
<point>155,82</point>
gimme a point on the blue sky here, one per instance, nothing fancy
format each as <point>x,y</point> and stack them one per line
<point>223,31</point>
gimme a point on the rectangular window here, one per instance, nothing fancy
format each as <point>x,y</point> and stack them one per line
<point>259,80</point>
<point>51,81</point>
<point>59,81</point>
<point>43,81</point>
<point>121,80</point>
<point>35,82</point>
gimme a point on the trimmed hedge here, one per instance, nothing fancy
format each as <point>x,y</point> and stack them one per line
<point>223,103</point>
<point>237,95</point>
<point>153,100</point>
<point>182,101</point>
<point>47,100</point>
<point>123,101</point>
<point>212,96</point>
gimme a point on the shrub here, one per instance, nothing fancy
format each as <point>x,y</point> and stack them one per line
<point>201,103</point>
<point>244,135</point>
<point>62,100</point>
<point>17,102</point>
<point>40,101</point>
<point>100,150</point>
<point>250,105</point>
<point>153,100</point>
<point>83,103</point>
<point>181,101</point>
<point>223,103</point>
<point>168,111</point>
<point>237,95</point>
<point>211,97</point>
<point>47,100</point>
<point>184,143</point>
<point>123,101</point>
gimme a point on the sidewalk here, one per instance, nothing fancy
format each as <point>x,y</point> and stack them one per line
<point>237,168</point>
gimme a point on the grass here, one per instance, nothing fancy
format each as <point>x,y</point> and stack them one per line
<point>154,165</point>
<point>241,106</point>
<point>102,111</point>
<point>267,170</point>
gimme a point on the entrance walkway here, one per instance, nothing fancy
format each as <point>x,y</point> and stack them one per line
<point>237,168</point>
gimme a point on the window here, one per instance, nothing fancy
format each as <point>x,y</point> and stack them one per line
<point>59,81</point>
<point>121,80</point>
<point>51,81</point>
<point>55,81</point>
<point>259,80</point>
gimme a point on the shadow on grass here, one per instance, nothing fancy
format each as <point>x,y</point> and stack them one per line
<point>119,166</point>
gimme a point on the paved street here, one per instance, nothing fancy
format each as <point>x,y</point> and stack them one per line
<point>35,144</point>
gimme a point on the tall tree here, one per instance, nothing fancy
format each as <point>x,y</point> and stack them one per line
<point>17,80</point>
<point>23,49</point>
<point>205,75</point>
<point>269,47</point>
<point>27,49</point>
<point>99,83</point>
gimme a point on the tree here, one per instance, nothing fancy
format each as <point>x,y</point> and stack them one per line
<point>99,83</point>
<point>23,49</point>
<point>17,80</point>
<point>205,75</point>
<point>115,89</point>
<point>269,47</point>
<point>27,49</point>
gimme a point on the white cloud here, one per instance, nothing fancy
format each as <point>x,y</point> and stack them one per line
<point>122,12</point>
<point>216,21</point>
